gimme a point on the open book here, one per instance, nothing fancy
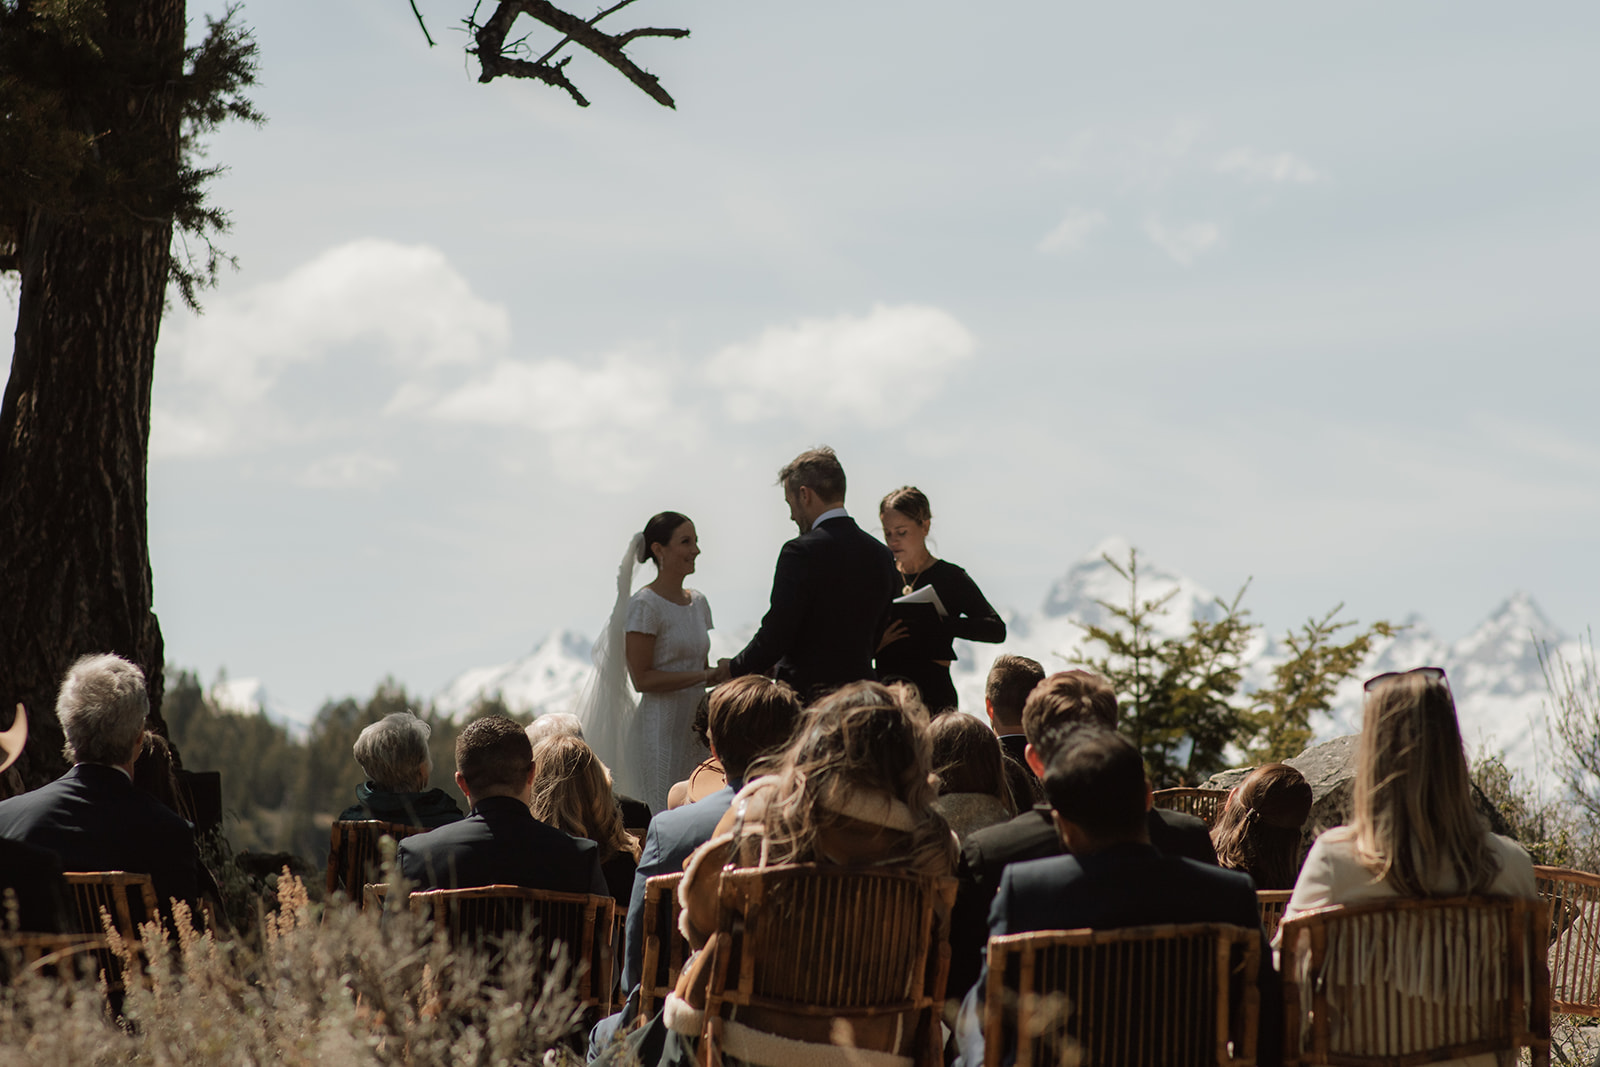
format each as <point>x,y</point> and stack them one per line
<point>926,595</point>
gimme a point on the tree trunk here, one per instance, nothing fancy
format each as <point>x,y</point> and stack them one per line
<point>75,423</point>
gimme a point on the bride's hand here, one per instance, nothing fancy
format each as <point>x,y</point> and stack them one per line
<point>723,672</point>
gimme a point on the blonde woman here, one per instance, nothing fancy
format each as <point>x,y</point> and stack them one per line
<point>572,792</point>
<point>1415,831</point>
<point>853,789</point>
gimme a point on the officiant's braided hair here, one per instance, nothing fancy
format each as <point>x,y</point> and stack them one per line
<point>909,501</point>
<point>658,531</point>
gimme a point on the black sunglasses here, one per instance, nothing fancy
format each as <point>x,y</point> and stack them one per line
<point>1436,673</point>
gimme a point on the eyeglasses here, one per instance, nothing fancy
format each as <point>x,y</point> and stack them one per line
<point>1436,673</point>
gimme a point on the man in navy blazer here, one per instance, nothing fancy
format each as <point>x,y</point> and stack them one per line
<point>1114,877</point>
<point>830,590</point>
<point>92,818</point>
<point>499,842</point>
<point>747,717</point>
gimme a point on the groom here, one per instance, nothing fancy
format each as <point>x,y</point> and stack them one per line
<point>830,590</point>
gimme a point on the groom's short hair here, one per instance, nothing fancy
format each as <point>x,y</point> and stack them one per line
<point>817,469</point>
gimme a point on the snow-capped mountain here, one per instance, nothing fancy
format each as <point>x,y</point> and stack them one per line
<point>547,679</point>
<point>249,696</point>
<point>1494,671</point>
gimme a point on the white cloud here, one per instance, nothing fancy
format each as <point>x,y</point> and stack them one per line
<point>880,366</point>
<point>1073,231</point>
<point>1182,243</point>
<point>406,304</point>
<point>349,470</point>
<point>1257,166</point>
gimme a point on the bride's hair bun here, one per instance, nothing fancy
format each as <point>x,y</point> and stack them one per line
<point>658,531</point>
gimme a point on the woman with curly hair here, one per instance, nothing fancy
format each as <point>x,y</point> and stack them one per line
<point>853,789</point>
<point>1259,829</point>
<point>572,792</point>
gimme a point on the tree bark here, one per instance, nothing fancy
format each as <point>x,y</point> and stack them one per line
<point>75,422</point>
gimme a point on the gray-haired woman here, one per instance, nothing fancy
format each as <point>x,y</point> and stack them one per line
<point>394,754</point>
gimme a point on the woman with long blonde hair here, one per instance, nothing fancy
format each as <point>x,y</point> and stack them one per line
<point>1415,831</point>
<point>572,792</point>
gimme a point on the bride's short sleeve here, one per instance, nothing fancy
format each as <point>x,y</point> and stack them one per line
<point>642,618</point>
<point>705,610</point>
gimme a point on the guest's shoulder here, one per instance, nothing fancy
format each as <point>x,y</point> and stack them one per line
<point>1049,873</point>
<point>1516,874</point>
<point>1029,827</point>
<point>1181,821</point>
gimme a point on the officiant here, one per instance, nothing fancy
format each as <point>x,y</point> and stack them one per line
<point>939,603</point>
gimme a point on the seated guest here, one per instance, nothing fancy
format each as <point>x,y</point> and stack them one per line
<point>30,877</point>
<point>394,754</point>
<point>969,766</point>
<point>572,792</point>
<point>92,818</point>
<point>1053,708</point>
<point>1414,831</point>
<point>499,842</point>
<point>748,717</point>
<point>853,790</point>
<point>1011,679</point>
<point>635,813</point>
<point>1113,877</point>
<point>1258,831</point>
<point>706,778</point>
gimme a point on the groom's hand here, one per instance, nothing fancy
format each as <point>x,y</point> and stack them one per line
<point>723,672</point>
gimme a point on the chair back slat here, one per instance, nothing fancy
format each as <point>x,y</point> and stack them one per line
<point>664,946</point>
<point>58,955</point>
<point>121,898</point>
<point>1271,903</point>
<point>831,942</point>
<point>1415,981</point>
<point>354,859</point>
<point>491,917</point>
<point>1574,955</point>
<point>1150,995</point>
<point>1203,804</point>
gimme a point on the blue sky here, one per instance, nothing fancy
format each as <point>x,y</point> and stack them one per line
<point>1298,295</point>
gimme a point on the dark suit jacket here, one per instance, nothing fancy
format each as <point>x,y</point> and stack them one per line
<point>1016,746</point>
<point>94,819</point>
<point>673,836</point>
<point>501,843</point>
<point>1030,836</point>
<point>830,599</point>
<point>1127,885</point>
<point>44,903</point>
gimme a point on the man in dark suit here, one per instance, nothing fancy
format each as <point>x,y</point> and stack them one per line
<point>747,718</point>
<point>92,818</point>
<point>1011,679</point>
<point>499,842</point>
<point>830,590</point>
<point>1056,705</point>
<point>1113,877</point>
<point>31,874</point>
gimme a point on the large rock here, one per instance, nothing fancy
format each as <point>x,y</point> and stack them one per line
<point>1330,768</point>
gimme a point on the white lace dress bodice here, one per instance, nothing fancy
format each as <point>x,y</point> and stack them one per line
<point>667,750</point>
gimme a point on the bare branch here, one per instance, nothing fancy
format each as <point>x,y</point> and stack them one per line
<point>423,25</point>
<point>494,62</point>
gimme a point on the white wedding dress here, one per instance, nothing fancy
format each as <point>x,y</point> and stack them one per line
<point>666,749</point>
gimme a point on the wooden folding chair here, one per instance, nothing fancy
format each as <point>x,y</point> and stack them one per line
<point>1574,957</point>
<point>490,917</point>
<point>664,946</point>
<point>1402,982</point>
<point>1143,996</point>
<point>353,856</point>
<point>828,942</point>
<point>1203,804</point>
<point>1271,903</point>
<point>122,899</point>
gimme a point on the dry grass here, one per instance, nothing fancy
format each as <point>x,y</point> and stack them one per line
<point>346,987</point>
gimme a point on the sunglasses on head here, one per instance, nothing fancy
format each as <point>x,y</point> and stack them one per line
<point>1436,673</point>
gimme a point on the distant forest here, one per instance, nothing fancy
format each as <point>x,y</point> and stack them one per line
<point>282,794</point>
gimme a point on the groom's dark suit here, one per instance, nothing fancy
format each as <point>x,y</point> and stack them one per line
<point>830,600</point>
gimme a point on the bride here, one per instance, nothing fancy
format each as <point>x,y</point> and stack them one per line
<point>663,635</point>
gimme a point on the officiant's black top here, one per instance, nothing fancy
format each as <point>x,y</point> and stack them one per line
<point>830,598</point>
<point>917,656</point>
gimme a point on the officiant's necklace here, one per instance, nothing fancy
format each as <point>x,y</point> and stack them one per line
<point>911,579</point>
